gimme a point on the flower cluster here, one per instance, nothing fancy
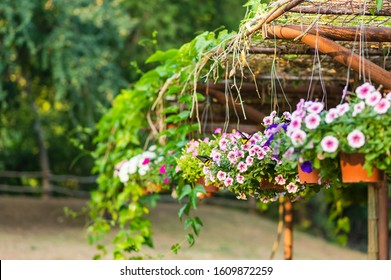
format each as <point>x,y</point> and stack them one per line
<point>363,127</point>
<point>247,164</point>
<point>148,165</point>
<point>358,125</point>
<point>188,163</point>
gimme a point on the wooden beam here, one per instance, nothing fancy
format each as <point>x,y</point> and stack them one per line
<point>342,11</point>
<point>304,51</point>
<point>251,113</point>
<point>336,51</point>
<point>341,33</point>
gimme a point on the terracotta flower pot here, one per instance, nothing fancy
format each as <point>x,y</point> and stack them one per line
<point>210,189</point>
<point>265,185</point>
<point>308,178</point>
<point>352,169</point>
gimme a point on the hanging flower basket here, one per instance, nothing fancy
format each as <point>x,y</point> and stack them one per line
<point>352,169</point>
<point>265,185</point>
<point>210,189</point>
<point>308,175</point>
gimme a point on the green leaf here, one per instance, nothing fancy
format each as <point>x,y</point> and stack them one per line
<point>175,248</point>
<point>162,56</point>
<point>379,4</point>
<point>186,190</point>
<point>190,239</point>
<point>200,189</point>
<point>188,223</point>
<point>171,109</point>
<point>184,210</point>
<point>193,199</point>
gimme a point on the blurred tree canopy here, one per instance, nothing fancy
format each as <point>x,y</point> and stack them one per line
<point>62,63</point>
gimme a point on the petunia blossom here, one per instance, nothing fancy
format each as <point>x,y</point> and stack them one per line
<point>292,188</point>
<point>306,166</point>
<point>382,107</point>
<point>242,167</point>
<point>373,98</point>
<point>267,120</point>
<point>221,175</point>
<point>298,137</point>
<point>166,181</point>
<point>312,121</point>
<point>331,115</point>
<point>228,181</point>
<point>358,108</point>
<point>329,144</point>
<point>342,108</point>
<point>162,169</point>
<point>280,180</point>
<point>364,90</point>
<point>315,107</point>
<point>240,179</point>
<point>218,130</point>
<point>249,160</point>
<point>295,123</point>
<point>356,139</point>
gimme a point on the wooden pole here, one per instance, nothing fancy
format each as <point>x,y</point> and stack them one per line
<point>373,237</point>
<point>288,229</point>
<point>383,221</point>
<point>334,50</point>
<point>343,33</point>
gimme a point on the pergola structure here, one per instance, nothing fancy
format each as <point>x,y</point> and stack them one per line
<point>312,50</point>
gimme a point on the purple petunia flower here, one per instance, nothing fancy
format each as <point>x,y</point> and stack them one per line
<point>306,167</point>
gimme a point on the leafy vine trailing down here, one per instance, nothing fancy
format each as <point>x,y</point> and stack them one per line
<point>125,132</point>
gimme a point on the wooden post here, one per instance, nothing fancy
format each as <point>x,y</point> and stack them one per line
<point>288,229</point>
<point>373,238</point>
<point>383,221</point>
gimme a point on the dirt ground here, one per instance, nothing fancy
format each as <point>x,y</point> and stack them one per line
<point>33,228</point>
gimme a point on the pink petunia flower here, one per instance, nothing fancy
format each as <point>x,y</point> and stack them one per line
<point>249,160</point>
<point>292,188</point>
<point>295,123</point>
<point>267,120</point>
<point>298,137</point>
<point>162,169</point>
<point>287,115</point>
<point>289,153</point>
<point>358,108</point>
<point>331,115</point>
<point>239,154</point>
<point>218,130</point>
<point>228,181</point>
<point>315,107</point>
<point>232,155</point>
<point>373,98</point>
<point>166,181</point>
<point>273,114</point>
<point>383,106</point>
<point>356,139</point>
<point>240,179</point>
<point>364,90</point>
<point>177,169</point>
<point>388,96</point>
<point>342,108</point>
<point>280,179</point>
<point>242,167</point>
<point>329,144</point>
<point>146,161</point>
<point>312,121</point>
<point>221,175</point>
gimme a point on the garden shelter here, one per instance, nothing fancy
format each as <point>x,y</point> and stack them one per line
<point>297,49</point>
